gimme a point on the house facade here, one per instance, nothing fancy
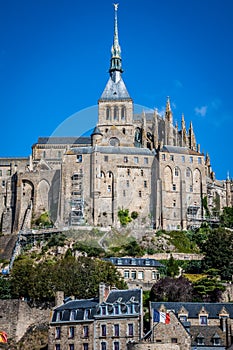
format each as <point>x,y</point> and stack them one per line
<point>109,322</point>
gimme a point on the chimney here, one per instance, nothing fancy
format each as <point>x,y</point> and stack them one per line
<point>59,298</point>
<point>103,292</point>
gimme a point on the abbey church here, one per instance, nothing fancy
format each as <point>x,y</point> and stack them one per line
<point>139,162</point>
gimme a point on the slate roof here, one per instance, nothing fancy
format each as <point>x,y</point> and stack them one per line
<point>213,309</point>
<point>78,304</point>
<point>178,149</point>
<point>114,150</point>
<point>64,140</point>
<point>124,296</point>
<point>127,261</point>
<point>208,333</point>
<point>78,307</point>
<point>115,91</point>
<point>88,309</point>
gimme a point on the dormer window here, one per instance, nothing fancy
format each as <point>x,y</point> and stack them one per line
<point>183,318</point>
<point>200,339</point>
<point>203,320</point>
<point>216,339</point>
<point>72,315</point>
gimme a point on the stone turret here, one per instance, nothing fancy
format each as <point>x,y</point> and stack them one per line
<point>183,132</point>
<point>169,139</point>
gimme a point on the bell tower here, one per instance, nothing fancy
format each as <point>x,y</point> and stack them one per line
<point>115,106</point>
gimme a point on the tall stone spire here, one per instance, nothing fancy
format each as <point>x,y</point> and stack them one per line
<point>115,88</point>
<point>192,139</point>
<point>115,65</point>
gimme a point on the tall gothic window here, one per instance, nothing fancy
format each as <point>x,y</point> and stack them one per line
<point>123,113</point>
<point>116,113</point>
<point>107,113</point>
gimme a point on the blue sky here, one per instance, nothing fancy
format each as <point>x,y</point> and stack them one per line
<point>54,61</point>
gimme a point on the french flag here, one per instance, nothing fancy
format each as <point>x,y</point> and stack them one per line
<point>162,317</point>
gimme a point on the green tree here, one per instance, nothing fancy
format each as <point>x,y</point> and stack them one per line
<point>226,218</point>
<point>172,289</point>
<point>133,249</point>
<point>209,288</point>
<point>79,277</point>
<point>218,252</point>
<point>5,288</point>
<point>172,267</point>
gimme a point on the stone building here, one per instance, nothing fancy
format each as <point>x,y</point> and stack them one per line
<point>140,162</point>
<point>109,322</point>
<point>205,325</point>
<point>138,272</point>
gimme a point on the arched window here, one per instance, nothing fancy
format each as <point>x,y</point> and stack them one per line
<point>116,113</point>
<point>107,113</point>
<point>123,113</point>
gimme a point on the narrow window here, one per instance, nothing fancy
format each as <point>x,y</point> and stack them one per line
<point>140,194</point>
<point>145,160</point>
<point>106,158</point>
<point>123,131</point>
<point>174,203</point>
<point>199,160</point>
<point>191,188</point>
<point>130,329</point>
<point>136,160</point>
<point>127,183</point>
<point>107,113</point>
<point>126,274</point>
<point>8,173</point>
<point>174,187</point>
<point>59,154</point>
<point>57,332</point>
<point>145,184</point>
<point>71,332</point>
<point>109,188</point>
<point>183,159</point>
<point>163,156</point>
<point>85,346</point>
<point>71,346</point>
<point>103,345</point>
<point>128,171</point>
<point>0,172</point>
<point>188,172</point>
<point>85,331</point>
<point>176,171</point>
<point>125,159</point>
<point>123,113</point>
<point>72,312</point>
<point>116,113</point>
<point>116,330</point>
<point>124,194</point>
<point>133,275</point>
<point>171,157</point>
<point>116,345</point>
<point>142,172</point>
<point>44,154</point>
<point>140,275</point>
<point>103,330</point>
<point>191,159</point>
<point>57,347</point>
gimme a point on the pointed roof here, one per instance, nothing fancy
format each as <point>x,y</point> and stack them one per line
<point>115,88</point>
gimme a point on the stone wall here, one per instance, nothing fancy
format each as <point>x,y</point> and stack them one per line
<point>16,316</point>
